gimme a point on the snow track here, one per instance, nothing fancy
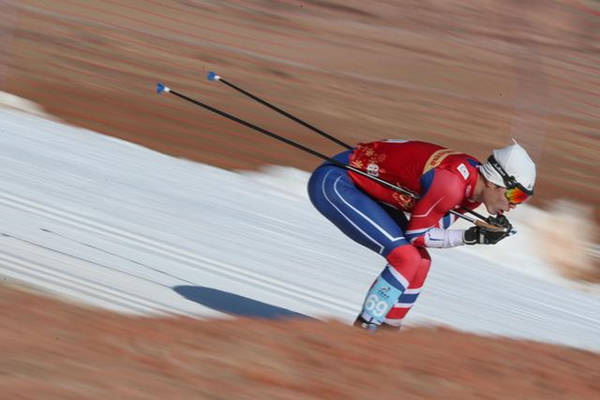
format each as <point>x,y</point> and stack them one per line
<point>112,224</point>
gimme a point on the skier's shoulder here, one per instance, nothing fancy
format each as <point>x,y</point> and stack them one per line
<point>462,165</point>
<point>446,183</point>
<point>459,173</point>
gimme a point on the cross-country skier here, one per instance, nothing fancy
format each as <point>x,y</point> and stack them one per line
<point>373,215</point>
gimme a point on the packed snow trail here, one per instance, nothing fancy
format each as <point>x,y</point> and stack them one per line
<point>114,224</point>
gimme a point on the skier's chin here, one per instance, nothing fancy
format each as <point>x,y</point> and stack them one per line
<point>495,211</point>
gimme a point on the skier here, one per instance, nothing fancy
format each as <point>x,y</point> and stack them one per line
<point>374,215</point>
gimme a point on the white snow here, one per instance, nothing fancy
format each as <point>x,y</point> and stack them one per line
<point>116,225</point>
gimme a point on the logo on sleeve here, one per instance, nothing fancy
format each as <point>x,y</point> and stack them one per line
<point>463,171</point>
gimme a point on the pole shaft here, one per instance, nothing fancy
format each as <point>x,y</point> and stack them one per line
<point>288,115</point>
<point>252,126</point>
<point>320,155</point>
<point>333,139</point>
<point>294,144</point>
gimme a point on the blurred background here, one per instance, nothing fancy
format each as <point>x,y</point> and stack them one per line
<point>467,74</point>
<point>470,75</point>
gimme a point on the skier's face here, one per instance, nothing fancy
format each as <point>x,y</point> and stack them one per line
<point>495,200</point>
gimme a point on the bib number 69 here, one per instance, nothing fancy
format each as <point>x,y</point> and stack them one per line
<point>376,307</point>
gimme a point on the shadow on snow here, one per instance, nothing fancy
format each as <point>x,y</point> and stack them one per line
<point>230,303</point>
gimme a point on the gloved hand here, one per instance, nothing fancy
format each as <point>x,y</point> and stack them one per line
<point>501,221</point>
<point>480,235</point>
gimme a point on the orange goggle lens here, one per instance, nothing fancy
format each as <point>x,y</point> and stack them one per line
<point>516,195</point>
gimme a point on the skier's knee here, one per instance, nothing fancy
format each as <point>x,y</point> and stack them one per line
<point>405,258</point>
<point>424,253</point>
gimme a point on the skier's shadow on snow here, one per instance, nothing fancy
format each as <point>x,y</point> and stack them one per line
<point>230,303</point>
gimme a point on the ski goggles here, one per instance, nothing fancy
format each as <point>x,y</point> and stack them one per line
<point>515,192</point>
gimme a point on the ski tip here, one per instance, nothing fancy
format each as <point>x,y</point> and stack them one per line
<point>161,88</point>
<point>211,76</point>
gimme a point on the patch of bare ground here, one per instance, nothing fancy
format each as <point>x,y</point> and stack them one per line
<point>466,74</point>
<point>55,350</point>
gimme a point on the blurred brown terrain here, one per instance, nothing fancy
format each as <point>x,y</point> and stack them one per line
<point>469,74</point>
<point>53,350</point>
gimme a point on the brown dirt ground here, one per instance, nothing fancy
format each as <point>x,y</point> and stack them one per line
<point>466,74</point>
<point>54,350</point>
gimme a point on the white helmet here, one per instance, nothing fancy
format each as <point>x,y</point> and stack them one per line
<point>515,161</point>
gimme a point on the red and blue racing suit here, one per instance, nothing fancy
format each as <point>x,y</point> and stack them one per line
<point>375,216</point>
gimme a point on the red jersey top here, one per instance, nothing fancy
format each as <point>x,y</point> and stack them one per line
<point>444,179</point>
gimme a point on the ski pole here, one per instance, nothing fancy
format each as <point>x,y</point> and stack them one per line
<point>161,88</point>
<point>214,77</point>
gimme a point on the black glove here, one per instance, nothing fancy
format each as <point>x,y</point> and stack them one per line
<point>500,221</point>
<point>480,235</point>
